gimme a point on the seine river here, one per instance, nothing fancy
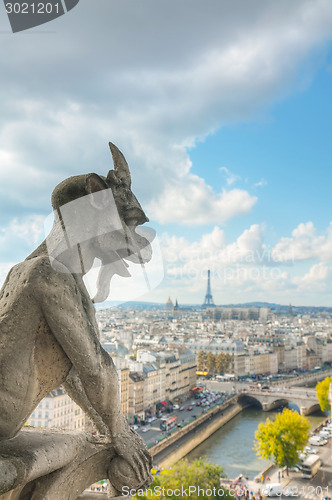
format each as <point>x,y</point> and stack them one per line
<point>232,445</point>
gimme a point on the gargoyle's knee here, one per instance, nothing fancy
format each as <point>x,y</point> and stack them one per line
<point>8,475</point>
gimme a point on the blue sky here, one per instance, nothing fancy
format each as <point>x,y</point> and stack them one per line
<point>224,116</point>
<point>282,155</point>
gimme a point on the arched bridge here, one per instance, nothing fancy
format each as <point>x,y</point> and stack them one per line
<point>305,399</point>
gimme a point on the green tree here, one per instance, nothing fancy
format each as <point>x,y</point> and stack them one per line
<point>210,362</point>
<point>322,391</point>
<point>223,360</point>
<point>201,360</point>
<point>197,474</point>
<point>283,438</point>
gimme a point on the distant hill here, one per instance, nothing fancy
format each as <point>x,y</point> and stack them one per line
<point>271,305</point>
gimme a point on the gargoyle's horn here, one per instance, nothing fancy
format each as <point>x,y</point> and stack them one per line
<point>120,166</point>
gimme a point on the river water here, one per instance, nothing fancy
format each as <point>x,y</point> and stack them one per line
<point>232,445</point>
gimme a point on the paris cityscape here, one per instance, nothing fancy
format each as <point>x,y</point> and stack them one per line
<point>167,358</point>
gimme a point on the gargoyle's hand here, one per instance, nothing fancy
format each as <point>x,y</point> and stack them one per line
<point>131,447</point>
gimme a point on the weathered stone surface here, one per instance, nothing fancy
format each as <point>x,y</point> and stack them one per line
<point>50,461</point>
<point>49,336</point>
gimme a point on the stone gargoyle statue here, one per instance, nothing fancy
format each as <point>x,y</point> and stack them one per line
<point>49,337</point>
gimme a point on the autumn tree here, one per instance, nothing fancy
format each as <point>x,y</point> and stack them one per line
<point>210,362</point>
<point>283,438</point>
<point>197,474</point>
<point>322,391</point>
<point>201,360</point>
<point>223,361</point>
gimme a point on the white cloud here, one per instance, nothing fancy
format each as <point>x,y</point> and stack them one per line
<point>240,270</point>
<point>185,259</point>
<point>4,270</point>
<point>261,183</point>
<point>154,87</point>
<point>244,268</point>
<point>230,177</point>
<point>304,244</point>
<point>20,237</point>
<point>317,279</point>
<point>193,202</point>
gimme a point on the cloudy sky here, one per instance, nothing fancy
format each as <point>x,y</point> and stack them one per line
<point>223,111</point>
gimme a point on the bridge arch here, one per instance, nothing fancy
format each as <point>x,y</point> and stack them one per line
<point>272,405</point>
<point>312,409</point>
<point>245,400</point>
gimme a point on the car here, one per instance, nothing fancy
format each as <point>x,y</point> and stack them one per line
<point>176,407</point>
<point>295,468</point>
<point>181,408</point>
<point>310,450</point>
<point>134,427</point>
<point>189,408</point>
<point>272,490</point>
<point>146,429</point>
<point>317,441</point>
<point>326,434</point>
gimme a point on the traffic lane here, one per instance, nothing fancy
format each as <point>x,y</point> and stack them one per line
<point>155,432</point>
<point>185,415</point>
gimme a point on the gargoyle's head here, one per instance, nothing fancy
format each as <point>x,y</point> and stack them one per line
<point>97,217</point>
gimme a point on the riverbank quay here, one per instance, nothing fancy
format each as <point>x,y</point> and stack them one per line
<point>177,446</point>
<point>242,488</point>
<point>272,474</point>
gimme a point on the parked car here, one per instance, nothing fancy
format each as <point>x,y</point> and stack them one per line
<point>317,441</point>
<point>272,490</point>
<point>310,450</point>
<point>296,468</point>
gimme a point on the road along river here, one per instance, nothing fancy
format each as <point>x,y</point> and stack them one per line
<point>232,445</point>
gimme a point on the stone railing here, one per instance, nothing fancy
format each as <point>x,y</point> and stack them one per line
<point>44,463</point>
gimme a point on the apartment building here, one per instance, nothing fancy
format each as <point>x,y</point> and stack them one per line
<point>136,395</point>
<point>57,409</point>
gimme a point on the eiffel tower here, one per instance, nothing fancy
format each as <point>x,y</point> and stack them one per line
<point>208,301</point>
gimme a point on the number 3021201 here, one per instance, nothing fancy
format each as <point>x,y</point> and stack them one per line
<point>32,8</point>
<point>318,491</point>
